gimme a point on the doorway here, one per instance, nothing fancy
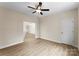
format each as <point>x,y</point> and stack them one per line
<point>29,29</point>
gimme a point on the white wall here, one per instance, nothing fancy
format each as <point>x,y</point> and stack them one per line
<point>50,26</point>
<point>11,26</point>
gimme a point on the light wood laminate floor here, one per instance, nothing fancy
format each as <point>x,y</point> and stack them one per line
<point>39,47</point>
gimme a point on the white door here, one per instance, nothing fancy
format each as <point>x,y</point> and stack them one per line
<point>67,31</point>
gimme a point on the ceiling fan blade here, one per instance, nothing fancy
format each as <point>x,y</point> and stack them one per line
<point>41,13</point>
<point>30,7</point>
<point>40,3</point>
<point>44,9</point>
<point>34,12</point>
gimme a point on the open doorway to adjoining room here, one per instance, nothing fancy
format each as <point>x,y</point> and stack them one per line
<point>29,28</point>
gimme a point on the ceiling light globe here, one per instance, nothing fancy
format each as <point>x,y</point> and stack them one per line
<point>38,11</point>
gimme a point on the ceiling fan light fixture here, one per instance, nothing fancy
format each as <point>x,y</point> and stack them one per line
<point>38,8</point>
<point>38,11</point>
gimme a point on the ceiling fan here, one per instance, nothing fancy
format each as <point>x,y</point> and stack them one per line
<point>38,8</point>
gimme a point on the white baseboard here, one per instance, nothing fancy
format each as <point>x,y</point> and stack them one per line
<point>50,39</point>
<point>12,44</point>
<point>45,38</point>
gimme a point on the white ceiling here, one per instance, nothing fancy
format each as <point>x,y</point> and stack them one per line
<point>53,6</point>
